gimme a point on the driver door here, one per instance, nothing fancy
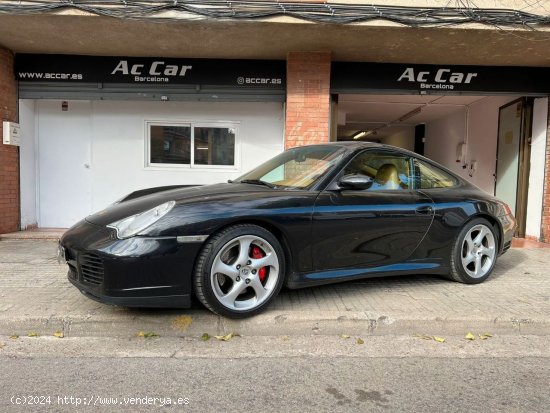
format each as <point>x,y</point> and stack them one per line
<point>381,225</point>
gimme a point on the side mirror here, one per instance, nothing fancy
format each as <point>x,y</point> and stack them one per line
<point>355,182</point>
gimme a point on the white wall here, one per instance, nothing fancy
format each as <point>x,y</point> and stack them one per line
<point>260,136</point>
<point>27,163</point>
<point>402,139</point>
<point>442,138</point>
<point>444,135</point>
<point>118,133</point>
<point>536,174</point>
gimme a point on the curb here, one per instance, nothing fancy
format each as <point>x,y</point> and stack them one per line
<point>273,323</point>
<point>32,236</point>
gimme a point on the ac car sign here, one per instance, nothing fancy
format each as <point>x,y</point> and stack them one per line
<point>363,77</point>
<point>443,78</point>
<point>146,70</point>
<point>156,70</point>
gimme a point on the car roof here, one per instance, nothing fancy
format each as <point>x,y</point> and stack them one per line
<point>357,145</point>
<point>354,146</point>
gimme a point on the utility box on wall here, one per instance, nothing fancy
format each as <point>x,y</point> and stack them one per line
<point>12,133</point>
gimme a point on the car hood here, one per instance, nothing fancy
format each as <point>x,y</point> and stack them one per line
<point>183,196</point>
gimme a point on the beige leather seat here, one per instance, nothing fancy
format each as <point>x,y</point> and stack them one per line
<point>387,177</point>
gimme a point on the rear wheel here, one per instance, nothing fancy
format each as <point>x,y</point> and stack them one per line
<point>475,252</point>
<point>239,271</point>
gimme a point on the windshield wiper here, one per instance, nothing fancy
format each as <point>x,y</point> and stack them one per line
<point>257,182</point>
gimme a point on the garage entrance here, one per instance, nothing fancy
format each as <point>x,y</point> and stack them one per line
<point>485,139</point>
<point>483,123</point>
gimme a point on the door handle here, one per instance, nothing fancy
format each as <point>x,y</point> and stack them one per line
<point>424,210</point>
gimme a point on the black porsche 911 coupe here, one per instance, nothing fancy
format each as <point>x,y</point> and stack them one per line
<point>312,215</point>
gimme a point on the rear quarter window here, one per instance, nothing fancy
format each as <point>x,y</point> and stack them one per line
<point>429,176</point>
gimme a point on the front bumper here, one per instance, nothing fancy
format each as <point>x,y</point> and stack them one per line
<point>134,272</point>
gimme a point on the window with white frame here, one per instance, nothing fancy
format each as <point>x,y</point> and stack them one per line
<point>191,144</point>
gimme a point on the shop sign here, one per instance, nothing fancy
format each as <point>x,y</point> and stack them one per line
<point>448,78</point>
<point>151,70</point>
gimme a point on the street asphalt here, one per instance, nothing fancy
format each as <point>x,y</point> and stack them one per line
<point>275,374</point>
<point>35,297</point>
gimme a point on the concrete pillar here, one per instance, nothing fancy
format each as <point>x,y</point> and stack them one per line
<point>9,155</point>
<point>545,230</point>
<point>308,98</point>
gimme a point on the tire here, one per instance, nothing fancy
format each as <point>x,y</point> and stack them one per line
<point>239,271</point>
<point>474,252</point>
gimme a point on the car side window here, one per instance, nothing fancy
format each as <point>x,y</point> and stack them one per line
<point>387,171</point>
<point>429,177</point>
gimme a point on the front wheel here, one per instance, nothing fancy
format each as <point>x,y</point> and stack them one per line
<point>239,271</point>
<point>475,252</point>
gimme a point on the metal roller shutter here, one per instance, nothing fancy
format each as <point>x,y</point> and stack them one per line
<point>119,91</point>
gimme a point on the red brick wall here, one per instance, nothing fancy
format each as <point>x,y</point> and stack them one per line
<point>9,155</point>
<point>545,233</point>
<point>308,98</point>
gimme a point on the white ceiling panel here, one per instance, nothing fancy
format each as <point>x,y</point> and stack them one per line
<point>379,109</point>
<point>386,98</point>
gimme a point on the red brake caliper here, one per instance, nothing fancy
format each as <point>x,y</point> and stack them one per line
<point>256,254</point>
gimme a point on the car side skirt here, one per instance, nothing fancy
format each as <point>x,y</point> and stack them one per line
<point>310,279</point>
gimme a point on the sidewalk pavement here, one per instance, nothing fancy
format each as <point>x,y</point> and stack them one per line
<point>35,296</point>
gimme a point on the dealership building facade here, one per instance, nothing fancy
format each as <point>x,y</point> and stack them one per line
<point>99,104</point>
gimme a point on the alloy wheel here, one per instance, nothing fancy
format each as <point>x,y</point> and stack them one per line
<point>245,272</point>
<point>478,251</point>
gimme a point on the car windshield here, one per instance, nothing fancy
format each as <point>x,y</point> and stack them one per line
<point>297,168</point>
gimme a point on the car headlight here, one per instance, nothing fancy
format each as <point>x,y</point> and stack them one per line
<point>130,226</point>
